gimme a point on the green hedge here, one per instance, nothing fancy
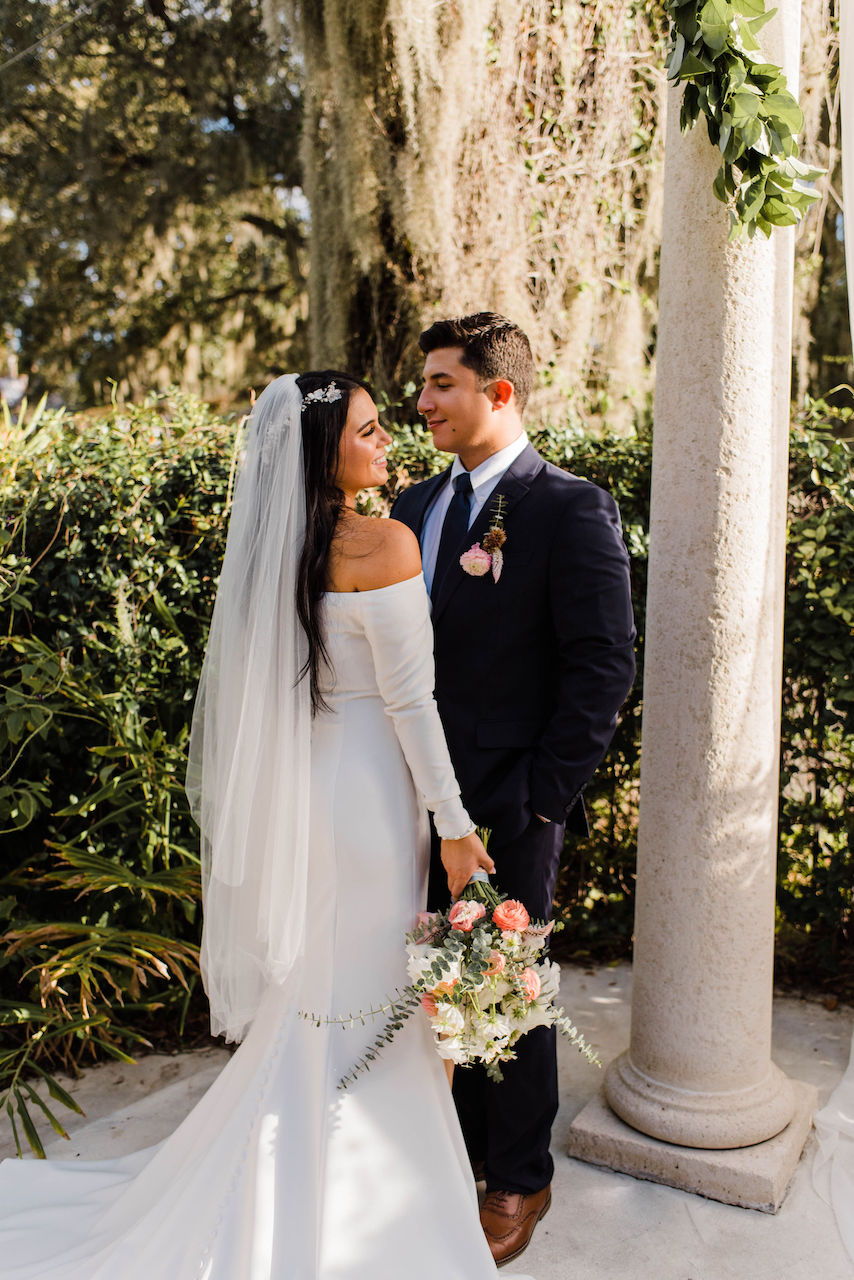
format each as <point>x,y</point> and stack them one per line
<point>112,535</point>
<point>816,818</point>
<point>112,539</point>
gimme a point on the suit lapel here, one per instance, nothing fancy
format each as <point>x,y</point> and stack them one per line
<point>512,486</point>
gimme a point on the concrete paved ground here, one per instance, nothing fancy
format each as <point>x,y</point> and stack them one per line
<point>602,1225</point>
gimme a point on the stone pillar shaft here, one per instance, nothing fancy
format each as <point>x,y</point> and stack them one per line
<point>699,1071</point>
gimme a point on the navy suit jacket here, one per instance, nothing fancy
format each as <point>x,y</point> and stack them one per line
<point>532,670</point>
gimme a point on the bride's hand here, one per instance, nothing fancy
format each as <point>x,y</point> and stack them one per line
<point>461,858</point>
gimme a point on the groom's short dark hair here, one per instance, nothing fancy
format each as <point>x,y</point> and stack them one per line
<point>493,346</point>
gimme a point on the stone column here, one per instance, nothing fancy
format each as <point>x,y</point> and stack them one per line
<point>698,1072</point>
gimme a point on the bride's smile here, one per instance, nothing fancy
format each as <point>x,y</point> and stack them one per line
<point>361,453</point>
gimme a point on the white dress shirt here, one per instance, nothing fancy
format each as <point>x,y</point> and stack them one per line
<point>484,479</point>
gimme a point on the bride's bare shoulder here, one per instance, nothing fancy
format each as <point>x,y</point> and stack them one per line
<point>369,553</point>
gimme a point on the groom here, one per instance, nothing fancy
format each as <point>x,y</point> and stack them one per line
<point>531,670</point>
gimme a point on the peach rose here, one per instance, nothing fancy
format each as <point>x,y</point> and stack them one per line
<point>529,981</point>
<point>497,964</point>
<point>428,1004</point>
<point>511,916</point>
<point>464,915</point>
<point>476,561</point>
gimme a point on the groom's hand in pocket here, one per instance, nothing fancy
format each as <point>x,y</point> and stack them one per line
<point>461,858</point>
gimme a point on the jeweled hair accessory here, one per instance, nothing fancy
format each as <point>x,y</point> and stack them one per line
<point>323,395</point>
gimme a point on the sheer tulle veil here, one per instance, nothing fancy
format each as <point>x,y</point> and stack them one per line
<point>248,777</point>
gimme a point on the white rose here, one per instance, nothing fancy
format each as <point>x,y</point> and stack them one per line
<point>448,1021</point>
<point>496,1027</point>
<point>452,1048</point>
<point>497,988</point>
<point>537,1014</point>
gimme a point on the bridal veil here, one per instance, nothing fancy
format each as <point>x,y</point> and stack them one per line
<point>248,778</point>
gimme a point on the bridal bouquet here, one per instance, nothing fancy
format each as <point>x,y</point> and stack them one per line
<point>477,972</point>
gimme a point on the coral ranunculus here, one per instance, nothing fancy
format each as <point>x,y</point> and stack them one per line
<point>511,916</point>
<point>497,964</point>
<point>464,915</point>
<point>529,981</point>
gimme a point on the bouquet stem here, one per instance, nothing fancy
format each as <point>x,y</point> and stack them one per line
<point>479,889</point>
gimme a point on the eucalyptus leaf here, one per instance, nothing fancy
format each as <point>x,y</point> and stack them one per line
<point>693,66</point>
<point>762,145</point>
<point>747,40</point>
<point>782,107</point>
<point>735,76</point>
<point>779,213</point>
<point>800,170</point>
<point>716,13</point>
<point>724,135</point>
<point>751,116</point>
<point>743,106</point>
<point>753,201</point>
<point>751,132</point>
<point>675,57</point>
<point>757,24</point>
<point>715,36</point>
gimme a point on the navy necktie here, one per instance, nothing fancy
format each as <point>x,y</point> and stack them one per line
<point>454,529</point>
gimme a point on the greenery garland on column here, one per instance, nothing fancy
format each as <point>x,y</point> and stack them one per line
<point>751,116</point>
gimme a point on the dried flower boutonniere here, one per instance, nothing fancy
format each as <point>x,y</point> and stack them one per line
<point>481,558</point>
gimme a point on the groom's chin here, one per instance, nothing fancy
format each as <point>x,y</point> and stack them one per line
<point>443,439</point>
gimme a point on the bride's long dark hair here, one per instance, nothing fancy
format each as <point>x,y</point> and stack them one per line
<point>322,423</point>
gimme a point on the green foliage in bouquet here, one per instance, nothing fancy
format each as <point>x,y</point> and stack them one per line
<point>483,982</point>
<point>751,116</point>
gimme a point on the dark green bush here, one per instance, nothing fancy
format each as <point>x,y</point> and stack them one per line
<point>112,535</point>
<point>816,815</point>
<point>815,895</point>
<point>110,549</point>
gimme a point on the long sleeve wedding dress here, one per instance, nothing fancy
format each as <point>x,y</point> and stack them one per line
<point>278,1174</point>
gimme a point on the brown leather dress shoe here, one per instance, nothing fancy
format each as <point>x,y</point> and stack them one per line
<point>508,1219</point>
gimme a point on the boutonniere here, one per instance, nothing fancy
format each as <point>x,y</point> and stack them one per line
<point>486,556</point>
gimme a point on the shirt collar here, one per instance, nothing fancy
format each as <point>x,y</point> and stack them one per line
<point>487,473</point>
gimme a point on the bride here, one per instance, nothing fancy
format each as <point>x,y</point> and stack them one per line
<point>316,751</point>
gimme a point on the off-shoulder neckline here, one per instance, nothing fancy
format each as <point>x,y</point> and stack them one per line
<point>374,591</point>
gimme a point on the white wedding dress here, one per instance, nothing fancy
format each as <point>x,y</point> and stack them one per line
<point>277,1174</point>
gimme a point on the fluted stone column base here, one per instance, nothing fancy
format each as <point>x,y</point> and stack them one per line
<point>737,1118</point>
<point>754,1177</point>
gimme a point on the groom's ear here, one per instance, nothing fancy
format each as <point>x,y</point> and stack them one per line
<point>500,392</point>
